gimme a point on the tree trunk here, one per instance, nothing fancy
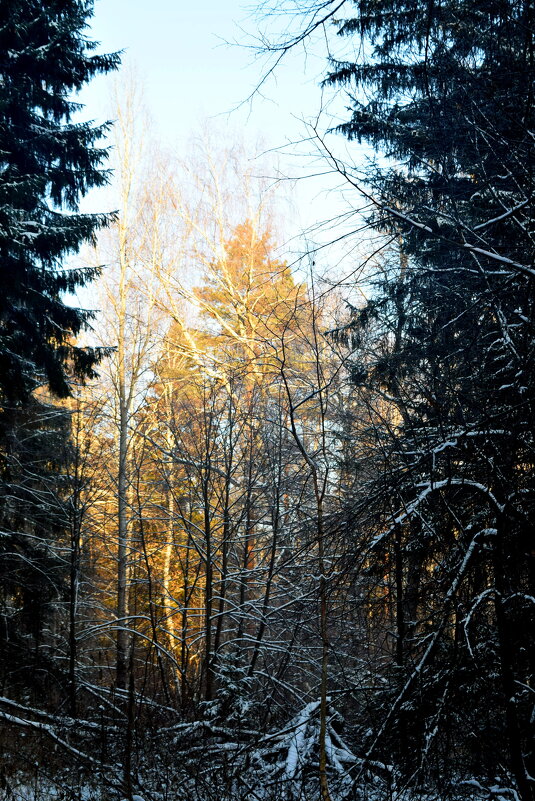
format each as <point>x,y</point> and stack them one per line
<point>505,646</point>
<point>122,554</point>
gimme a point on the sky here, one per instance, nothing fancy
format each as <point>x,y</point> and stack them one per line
<point>198,62</point>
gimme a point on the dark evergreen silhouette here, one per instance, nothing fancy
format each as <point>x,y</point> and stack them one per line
<point>445,90</point>
<point>48,163</point>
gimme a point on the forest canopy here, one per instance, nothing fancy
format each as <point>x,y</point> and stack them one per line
<point>281,546</point>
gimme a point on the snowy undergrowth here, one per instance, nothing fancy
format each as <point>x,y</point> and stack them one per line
<point>206,760</point>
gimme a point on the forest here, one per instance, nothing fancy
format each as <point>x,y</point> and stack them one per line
<point>266,536</point>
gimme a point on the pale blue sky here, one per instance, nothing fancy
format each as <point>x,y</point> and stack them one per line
<point>189,73</point>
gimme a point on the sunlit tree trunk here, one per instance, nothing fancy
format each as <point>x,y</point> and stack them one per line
<point>130,323</point>
<point>122,475</point>
<point>76,513</point>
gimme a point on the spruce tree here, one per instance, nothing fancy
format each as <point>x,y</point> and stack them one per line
<point>48,163</point>
<point>445,91</point>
